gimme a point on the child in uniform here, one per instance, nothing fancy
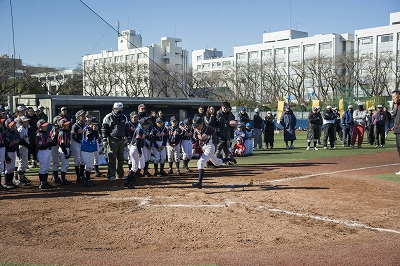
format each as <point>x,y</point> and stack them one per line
<point>2,147</point>
<point>24,148</point>
<point>187,137</point>
<point>44,144</point>
<point>76,142</point>
<point>55,156</point>
<point>11,138</point>
<point>173,144</point>
<point>136,150</point>
<point>89,147</point>
<point>248,139</point>
<point>239,149</point>
<point>64,149</point>
<point>204,133</point>
<point>159,137</point>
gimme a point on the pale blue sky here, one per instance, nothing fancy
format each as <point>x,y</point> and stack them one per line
<point>58,32</point>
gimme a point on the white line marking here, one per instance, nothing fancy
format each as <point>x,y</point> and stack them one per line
<point>330,220</point>
<point>330,173</point>
<point>188,205</point>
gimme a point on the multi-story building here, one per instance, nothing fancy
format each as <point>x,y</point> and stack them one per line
<point>279,52</point>
<point>377,56</point>
<point>135,70</point>
<point>53,80</point>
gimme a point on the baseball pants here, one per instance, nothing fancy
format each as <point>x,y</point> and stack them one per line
<point>159,156</point>
<point>2,158</point>
<point>23,158</point>
<point>258,138</point>
<point>11,166</point>
<point>76,152</point>
<point>208,155</point>
<point>64,161</point>
<point>187,151</point>
<point>44,158</point>
<point>55,158</point>
<point>88,160</point>
<point>174,153</point>
<point>137,161</point>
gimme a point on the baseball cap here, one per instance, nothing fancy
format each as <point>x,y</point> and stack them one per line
<point>134,114</point>
<point>242,109</point>
<point>36,109</point>
<point>181,123</point>
<point>173,118</point>
<point>9,122</point>
<point>21,108</point>
<point>40,106</point>
<point>240,125</point>
<point>80,113</point>
<point>64,121</point>
<point>159,120</point>
<point>24,118</point>
<point>239,139</point>
<point>167,123</point>
<point>257,110</point>
<point>187,121</point>
<point>248,125</point>
<point>287,107</point>
<point>370,109</point>
<point>350,107</point>
<point>197,120</point>
<point>316,109</point>
<point>145,121</point>
<point>329,107</point>
<point>379,106</point>
<point>118,105</point>
<point>141,106</point>
<point>42,123</point>
<point>63,108</point>
<point>93,120</point>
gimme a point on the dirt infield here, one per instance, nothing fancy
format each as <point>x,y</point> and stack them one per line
<point>320,212</point>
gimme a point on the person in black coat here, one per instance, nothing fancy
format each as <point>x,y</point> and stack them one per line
<point>314,127</point>
<point>269,128</point>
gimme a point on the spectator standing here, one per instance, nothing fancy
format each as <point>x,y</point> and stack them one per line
<point>160,114</point>
<point>329,127</point>
<point>141,111</point>
<point>348,126</point>
<point>379,121</point>
<point>115,131</point>
<point>338,128</point>
<point>359,117</point>
<point>314,127</point>
<point>370,127</point>
<point>257,125</point>
<point>200,112</point>
<point>41,114</point>
<point>243,117</point>
<point>269,130</point>
<point>224,130</point>
<point>388,121</point>
<point>288,122</point>
<point>396,117</point>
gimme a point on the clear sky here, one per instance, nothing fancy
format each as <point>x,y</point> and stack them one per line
<point>58,33</point>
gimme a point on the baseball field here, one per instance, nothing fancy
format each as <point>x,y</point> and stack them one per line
<point>276,207</point>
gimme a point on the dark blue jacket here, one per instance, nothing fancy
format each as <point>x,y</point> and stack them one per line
<point>347,119</point>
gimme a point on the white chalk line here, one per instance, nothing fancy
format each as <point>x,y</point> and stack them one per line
<point>146,202</point>
<point>331,173</point>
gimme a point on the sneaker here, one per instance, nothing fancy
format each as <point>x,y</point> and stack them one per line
<point>22,183</point>
<point>122,177</point>
<point>397,173</point>
<point>232,159</point>
<point>80,180</point>
<point>376,146</point>
<point>147,174</point>
<point>315,148</point>
<point>186,168</point>
<point>56,180</point>
<point>16,182</point>
<point>112,178</point>
<point>178,172</point>
<point>334,147</point>
<point>291,146</point>
<point>157,173</point>
<point>140,175</point>
<point>198,185</point>
<point>287,147</point>
<point>359,147</point>
<point>170,171</point>
<point>162,173</point>
<point>129,185</point>
<point>8,186</point>
<point>89,184</point>
<point>352,146</point>
<point>45,186</point>
<point>308,148</point>
<point>65,182</point>
<point>97,174</point>
<point>383,146</point>
<point>325,147</point>
<point>25,180</point>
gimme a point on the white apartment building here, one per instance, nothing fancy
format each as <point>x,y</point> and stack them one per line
<point>375,44</point>
<point>283,48</point>
<point>131,52</point>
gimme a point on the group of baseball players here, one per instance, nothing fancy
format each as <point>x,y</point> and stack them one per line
<point>26,134</point>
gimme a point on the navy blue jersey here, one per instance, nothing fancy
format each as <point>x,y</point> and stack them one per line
<point>158,134</point>
<point>187,133</point>
<point>204,135</point>
<point>138,138</point>
<point>174,136</point>
<point>63,141</point>
<point>11,140</point>
<point>89,139</point>
<point>43,140</point>
<point>76,131</point>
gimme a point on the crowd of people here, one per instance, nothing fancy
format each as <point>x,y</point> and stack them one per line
<point>214,136</point>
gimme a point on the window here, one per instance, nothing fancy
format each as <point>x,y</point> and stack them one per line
<point>121,58</point>
<point>325,45</point>
<point>116,59</point>
<point>266,53</point>
<point>240,55</point>
<point>253,54</point>
<point>133,56</point>
<point>207,65</point>
<point>226,63</point>
<point>139,56</point>
<point>365,40</point>
<point>216,64</point>
<point>309,47</point>
<point>126,57</point>
<point>199,57</point>
<point>280,51</point>
<point>294,49</point>
<point>198,67</point>
<point>386,38</point>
